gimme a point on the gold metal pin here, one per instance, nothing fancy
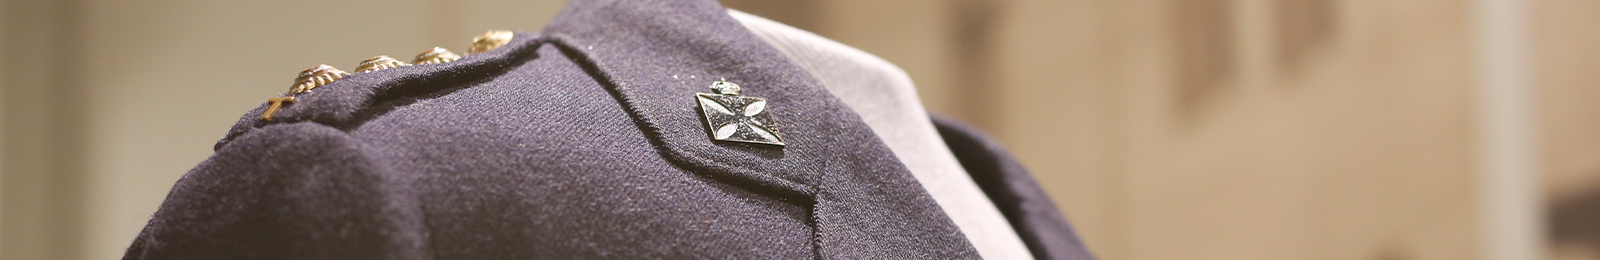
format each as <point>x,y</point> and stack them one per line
<point>382,62</point>
<point>436,55</point>
<point>277,103</point>
<point>489,41</point>
<point>316,77</point>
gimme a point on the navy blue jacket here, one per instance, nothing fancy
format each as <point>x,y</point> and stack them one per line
<point>578,142</point>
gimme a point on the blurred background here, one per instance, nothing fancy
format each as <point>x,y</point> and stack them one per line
<point>1164,129</point>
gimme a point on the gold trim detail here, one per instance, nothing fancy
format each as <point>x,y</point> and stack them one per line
<point>490,40</point>
<point>382,62</point>
<point>277,103</point>
<point>316,77</point>
<point>435,55</point>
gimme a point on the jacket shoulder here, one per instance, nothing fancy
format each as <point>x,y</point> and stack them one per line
<point>285,191</point>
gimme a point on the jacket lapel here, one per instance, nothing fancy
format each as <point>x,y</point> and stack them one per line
<point>655,55</point>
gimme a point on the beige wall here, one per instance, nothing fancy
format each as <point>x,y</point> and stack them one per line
<point>1165,129</point>
<point>128,95</point>
<point>38,176</point>
<point>1568,63</point>
<point>1204,131</point>
<point>1289,129</point>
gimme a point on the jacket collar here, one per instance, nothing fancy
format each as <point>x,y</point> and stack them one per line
<point>655,55</point>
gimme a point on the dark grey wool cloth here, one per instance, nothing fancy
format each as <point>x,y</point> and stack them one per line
<point>581,142</point>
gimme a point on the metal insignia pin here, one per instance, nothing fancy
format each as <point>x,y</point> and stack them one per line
<point>735,118</point>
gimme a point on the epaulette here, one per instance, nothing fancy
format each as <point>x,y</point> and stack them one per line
<point>327,95</point>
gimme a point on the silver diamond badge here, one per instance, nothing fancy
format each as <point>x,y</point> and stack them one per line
<point>736,118</point>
